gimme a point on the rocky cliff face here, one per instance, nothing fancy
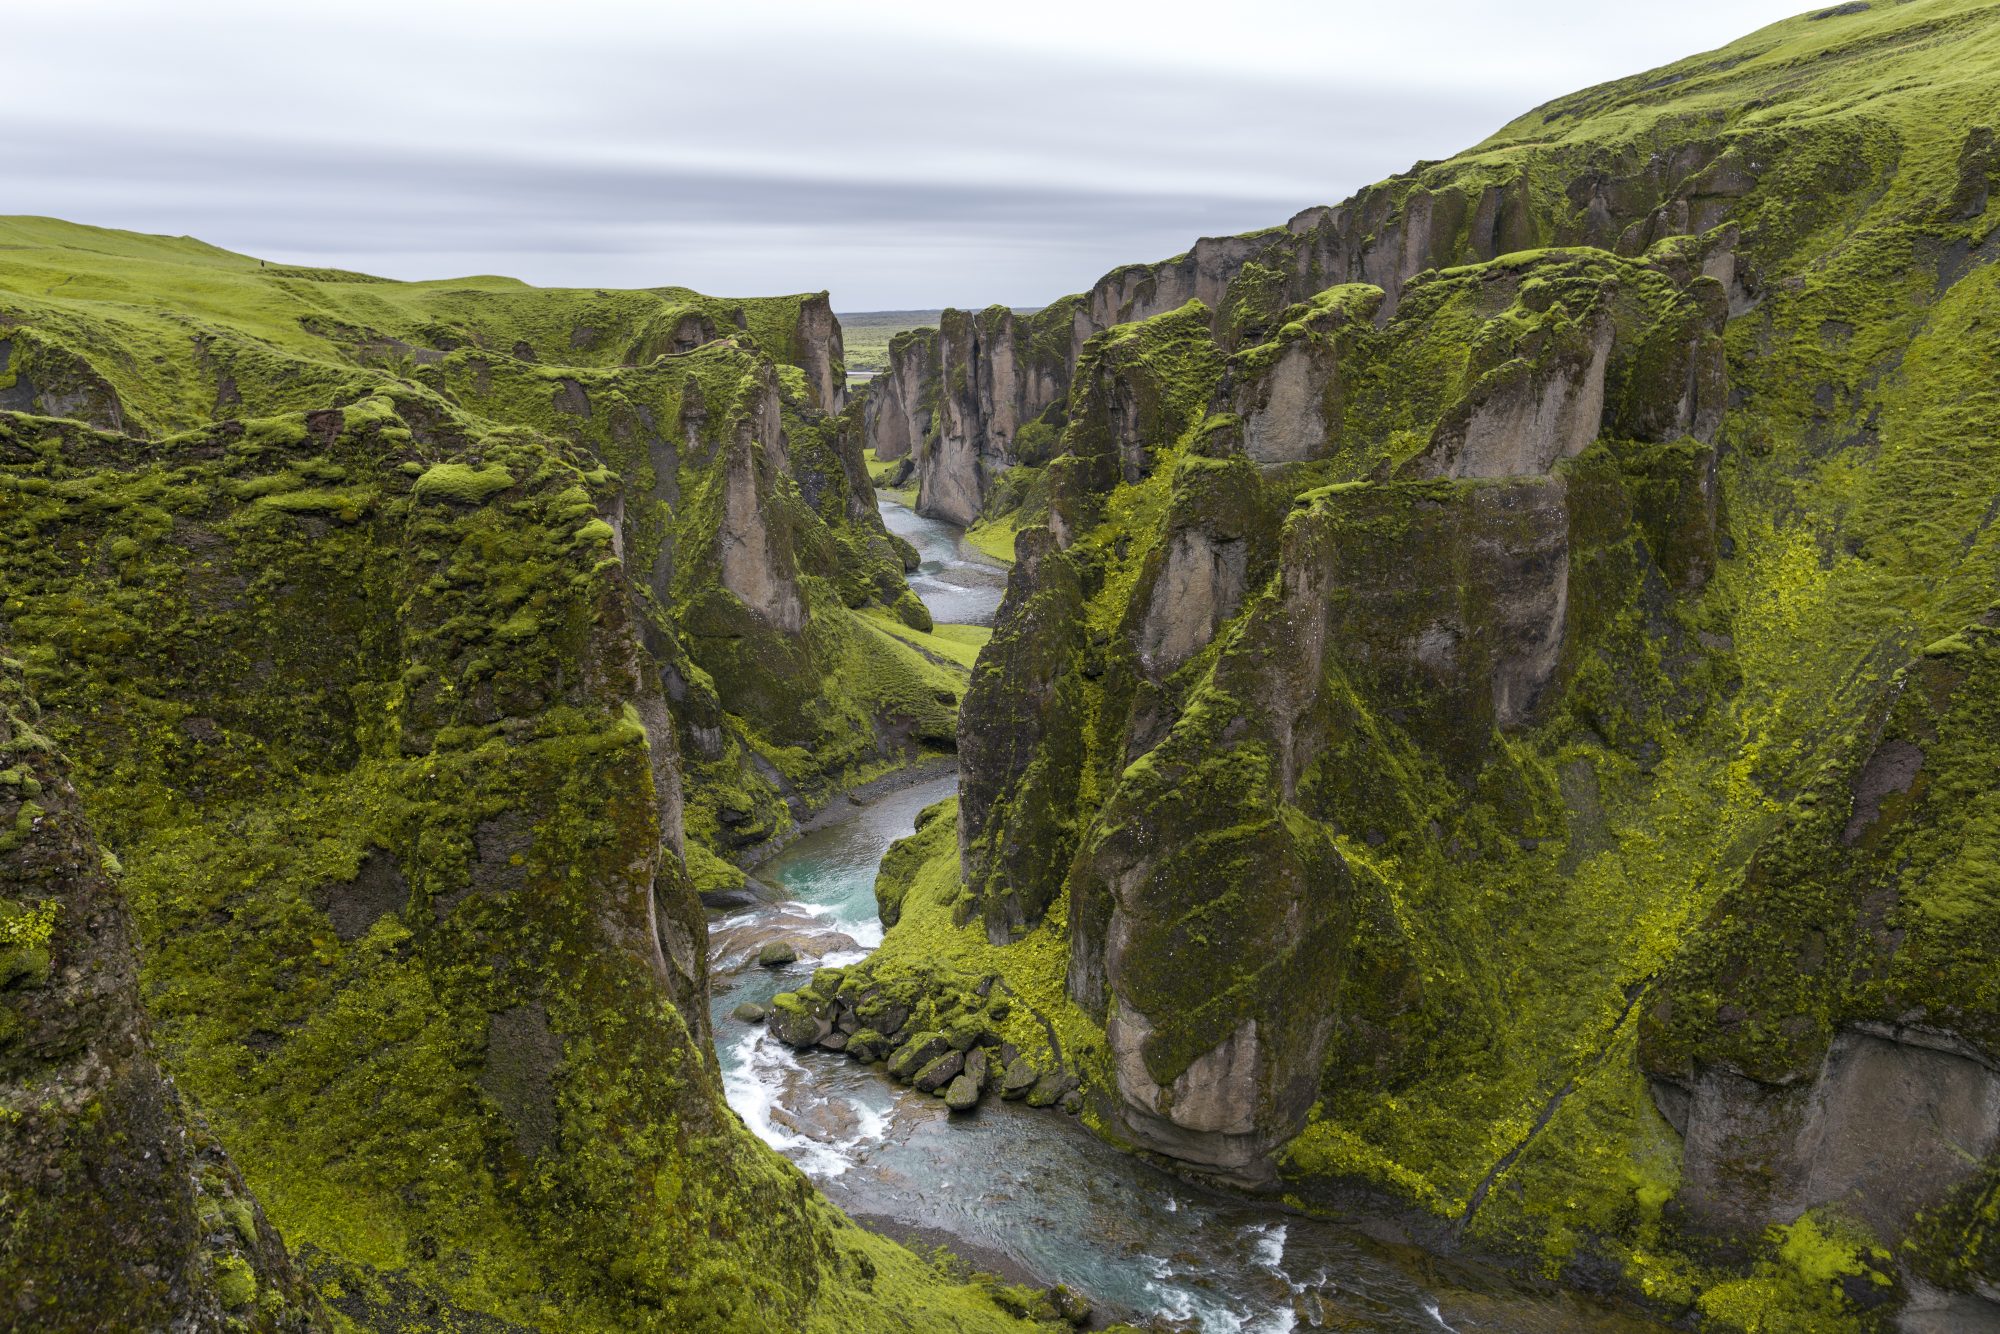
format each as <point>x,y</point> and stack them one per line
<point>418,724</point>
<point>817,351</point>
<point>992,374</point>
<point>1433,217</point>
<point>897,408</point>
<point>124,1210</point>
<point>1437,653</point>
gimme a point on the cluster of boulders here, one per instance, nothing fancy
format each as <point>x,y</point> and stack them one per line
<point>961,1058</point>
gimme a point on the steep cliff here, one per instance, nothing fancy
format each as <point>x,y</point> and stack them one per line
<point>123,1210</point>
<point>391,662</point>
<point>1462,728</point>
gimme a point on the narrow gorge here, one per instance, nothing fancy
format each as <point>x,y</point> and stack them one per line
<point>1425,768</point>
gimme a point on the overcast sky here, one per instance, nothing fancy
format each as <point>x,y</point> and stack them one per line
<point>901,154</point>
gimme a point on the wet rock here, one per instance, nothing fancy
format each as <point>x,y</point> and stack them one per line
<point>777,953</point>
<point>966,1032</point>
<point>794,1023</point>
<point>962,1094</point>
<point>867,1045</point>
<point>1046,1091</point>
<point>749,1012</point>
<point>939,1072</point>
<point>915,1054</point>
<point>834,1041</point>
<point>828,1121</point>
<point>1071,1306</point>
<point>1071,1102</point>
<point>1021,1076</point>
<point>976,1066</point>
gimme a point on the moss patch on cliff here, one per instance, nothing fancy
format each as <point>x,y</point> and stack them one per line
<point>380,698</point>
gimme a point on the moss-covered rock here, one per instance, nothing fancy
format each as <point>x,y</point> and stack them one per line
<point>1456,745</point>
<point>123,1209</point>
<point>383,709</point>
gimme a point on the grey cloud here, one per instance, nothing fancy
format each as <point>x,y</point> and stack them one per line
<point>424,213</point>
<point>890,156</point>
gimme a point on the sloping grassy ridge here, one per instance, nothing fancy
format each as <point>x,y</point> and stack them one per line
<point>1503,793</point>
<point>376,663</point>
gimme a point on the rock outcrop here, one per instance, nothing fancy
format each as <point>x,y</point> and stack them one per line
<point>124,1210</point>
<point>896,411</point>
<point>1018,762</point>
<point>754,553</point>
<point>419,725</point>
<point>994,374</point>
<point>819,353</point>
<point>1504,703</point>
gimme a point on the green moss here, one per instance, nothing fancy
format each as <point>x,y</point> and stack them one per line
<point>460,483</point>
<point>235,1282</point>
<point>1508,927</point>
<point>363,700</point>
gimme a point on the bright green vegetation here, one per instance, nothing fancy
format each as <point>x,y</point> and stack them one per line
<point>866,334</point>
<point>1510,793</point>
<point>399,636</point>
<point>883,476</point>
<point>996,537</point>
<point>959,644</point>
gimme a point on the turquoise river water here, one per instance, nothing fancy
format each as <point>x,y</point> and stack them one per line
<point>1031,1191</point>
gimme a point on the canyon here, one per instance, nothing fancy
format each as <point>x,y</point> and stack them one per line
<point>1484,740</point>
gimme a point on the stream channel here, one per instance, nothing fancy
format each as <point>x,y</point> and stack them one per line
<point>1028,1192</point>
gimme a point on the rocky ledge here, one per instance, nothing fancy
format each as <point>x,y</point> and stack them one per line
<point>960,1057</point>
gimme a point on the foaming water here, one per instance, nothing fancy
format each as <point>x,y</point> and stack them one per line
<point>1033,1185</point>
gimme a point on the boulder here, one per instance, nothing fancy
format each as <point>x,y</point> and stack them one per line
<point>1021,1076</point>
<point>1046,1091</point>
<point>834,1041</point>
<point>749,1012</point>
<point>886,1017</point>
<point>1070,1305</point>
<point>794,1023</point>
<point>966,1032</point>
<point>915,1054</point>
<point>976,1066</point>
<point>777,953</point>
<point>962,1094</point>
<point>867,1045</point>
<point>939,1072</point>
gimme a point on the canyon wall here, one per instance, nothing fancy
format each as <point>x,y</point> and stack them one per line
<point>420,657</point>
<point>1462,725</point>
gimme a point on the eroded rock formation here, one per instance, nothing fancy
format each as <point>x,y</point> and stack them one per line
<point>1504,737</point>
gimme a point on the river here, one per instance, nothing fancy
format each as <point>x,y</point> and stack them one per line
<point>1032,1191</point>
